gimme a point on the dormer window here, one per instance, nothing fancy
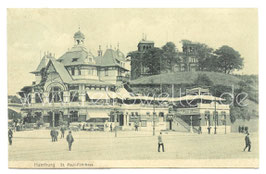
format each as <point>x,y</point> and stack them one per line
<point>72,71</point>
<point>74,59</point>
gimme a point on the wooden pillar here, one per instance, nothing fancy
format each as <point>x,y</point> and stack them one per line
<point>53,118</point>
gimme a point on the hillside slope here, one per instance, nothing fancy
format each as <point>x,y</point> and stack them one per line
<point>187,78</point>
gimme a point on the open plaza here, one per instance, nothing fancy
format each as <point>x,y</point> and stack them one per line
<point>130,145</point>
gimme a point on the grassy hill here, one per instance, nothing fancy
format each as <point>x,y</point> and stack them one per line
<point>184,80</point>
<point>187,78</point>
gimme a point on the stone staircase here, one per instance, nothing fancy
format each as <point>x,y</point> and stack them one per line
<point>181,126</point>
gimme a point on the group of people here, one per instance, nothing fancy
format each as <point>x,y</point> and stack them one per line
<point>242,129</point>
<point>54,136</point>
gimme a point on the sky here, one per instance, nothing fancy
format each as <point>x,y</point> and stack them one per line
<point>31,32</point>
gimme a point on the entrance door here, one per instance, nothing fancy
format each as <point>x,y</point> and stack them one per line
<point>121,120</point>
<point>54,122</point>
<point>56,119</point>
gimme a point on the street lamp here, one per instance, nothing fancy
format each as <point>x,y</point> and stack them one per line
<point>116,112</point>
<point>191,126</point>
<point>215,116</point>
<point>225,123</point>
<point>153,118</point>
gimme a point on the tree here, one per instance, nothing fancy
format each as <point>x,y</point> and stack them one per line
<point>203,54</point>
<point>228,59</point>
<point>170,56</point>
<point>206,59</point>
<point>152,60</point>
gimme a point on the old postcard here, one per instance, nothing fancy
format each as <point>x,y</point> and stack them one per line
<point>131,88</point>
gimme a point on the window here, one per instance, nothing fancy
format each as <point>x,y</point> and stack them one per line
<point>38,98</point>
<point>73,116</point>
<point>74,59</point>
<point>87,98</point>
<point>106,71</point>
<point>74,96</point>
<point>72,71</point>
<point>143,123</point>
<point>90,72</point>
<point>55,95</point>
<point>79,71</point>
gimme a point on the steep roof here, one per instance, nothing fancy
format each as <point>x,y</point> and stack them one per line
<point>145,42</point>
<point>42,64</point>
<point>111,58</point>
<point>76,56</point>
<point>61,70</point>
<point>91,82</point>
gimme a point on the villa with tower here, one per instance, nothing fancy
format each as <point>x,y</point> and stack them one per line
<point>81,88</point>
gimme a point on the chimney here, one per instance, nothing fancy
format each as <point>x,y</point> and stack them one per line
<point>100,52</point>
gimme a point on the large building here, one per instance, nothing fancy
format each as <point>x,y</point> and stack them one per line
<point>137,67</point>
<point>188,59</point>
<point>79,88</point>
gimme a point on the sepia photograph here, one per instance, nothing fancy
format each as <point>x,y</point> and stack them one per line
<point>132,88</point>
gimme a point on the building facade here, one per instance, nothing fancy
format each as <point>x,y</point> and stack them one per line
<point>81,89</point>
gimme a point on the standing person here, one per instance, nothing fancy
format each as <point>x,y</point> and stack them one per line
<point>200,132</point>
<point>242,129</point>
<point>62,132</point>
<point>10,136</point>
<point>52,134</point>
<point>160,142</point>
<point>111,127</point>
<point>136,126</point>
<point>239,129</point>
<point>70,140</point>
<point>56,135</point>
<point>209,130</point>
<point>247,142</point>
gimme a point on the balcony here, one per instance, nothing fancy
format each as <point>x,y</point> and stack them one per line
<point>122,78</point>
<point>212,105</point>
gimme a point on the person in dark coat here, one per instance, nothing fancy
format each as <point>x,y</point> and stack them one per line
<point>136,126</point>
<point>239,129</point>
<point>52,133</point>
<point>111,127</point>
<point>247,142</point>
<point>242,129</point>
<point>160,142</point>
<point>209,130</point>
<point>62,132</point>
<point>70,140</point>
<point>200,131</point>
<point>56,135</point>
<point>10,136</point>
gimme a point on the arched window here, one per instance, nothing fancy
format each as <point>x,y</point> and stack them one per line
<point>55,95</point>
<point>73,116</point>
<point>38,98</point>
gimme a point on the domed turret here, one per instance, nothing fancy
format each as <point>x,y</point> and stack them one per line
<point>79,38</point>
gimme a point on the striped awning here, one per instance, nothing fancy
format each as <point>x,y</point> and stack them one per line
<point>123,93</point>
<point>100,95</point>
<point>113,95</point>
<point>98,115</point>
